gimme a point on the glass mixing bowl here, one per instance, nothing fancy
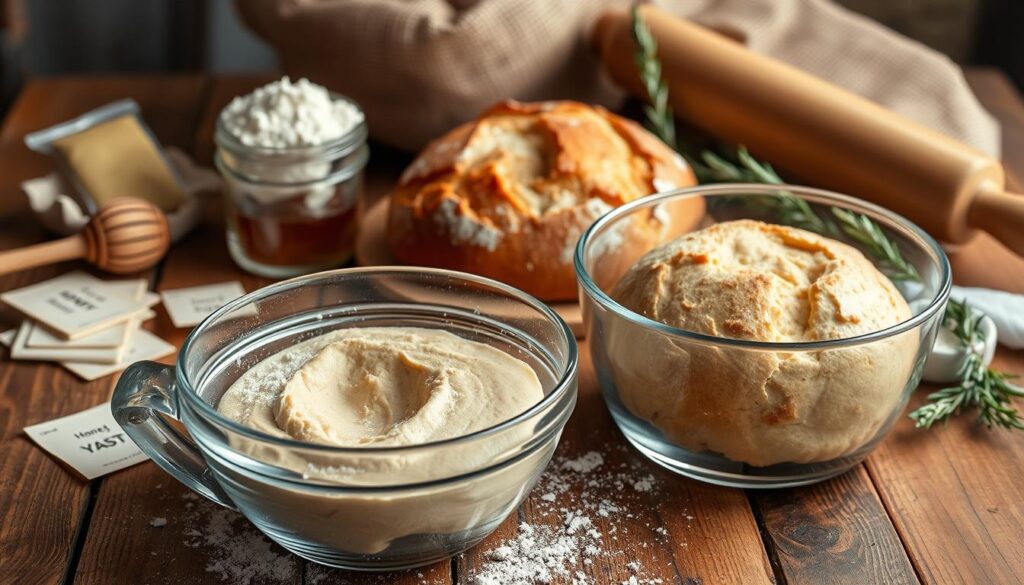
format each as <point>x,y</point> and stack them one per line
<point>398,506</point>
<point>685,399</point>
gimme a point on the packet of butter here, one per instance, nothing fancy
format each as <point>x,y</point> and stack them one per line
<point>108,153</point>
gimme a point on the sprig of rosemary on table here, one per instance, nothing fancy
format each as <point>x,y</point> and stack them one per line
<point>980,387</point>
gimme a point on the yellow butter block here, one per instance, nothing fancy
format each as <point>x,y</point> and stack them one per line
<point>119,159</point>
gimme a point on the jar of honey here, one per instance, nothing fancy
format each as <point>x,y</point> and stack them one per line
<point>291,210</point>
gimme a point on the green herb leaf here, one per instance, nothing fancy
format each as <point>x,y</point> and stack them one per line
<point>660,119</point>
<point>980,387</point>
<point>864,231</point>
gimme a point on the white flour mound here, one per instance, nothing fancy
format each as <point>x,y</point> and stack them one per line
<point>283,114</point>
<point>535,555</point>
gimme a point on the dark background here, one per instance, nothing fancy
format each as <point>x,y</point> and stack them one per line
<point>47,37</point>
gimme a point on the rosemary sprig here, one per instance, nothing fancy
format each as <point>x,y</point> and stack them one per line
<point>980,387</point>
<point>659,115</point>
<point>865,232</point>
<point>796,212</point>
<point>716,169</point>
<point>961,319</point>
<point>791,210</point>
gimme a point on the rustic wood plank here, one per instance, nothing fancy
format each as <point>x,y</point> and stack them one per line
<point>834,532</point>
<point>679,531</point>
<point>955,495</point>
<point>953,492</point>
<point>43,503</point>
<point>435,574</point>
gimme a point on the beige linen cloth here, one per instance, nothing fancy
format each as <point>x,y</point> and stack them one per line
<point>420,67</point>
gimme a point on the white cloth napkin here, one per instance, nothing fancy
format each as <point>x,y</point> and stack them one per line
<point>1005,309</point>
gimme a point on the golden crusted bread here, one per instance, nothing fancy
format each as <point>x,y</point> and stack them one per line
<point>756,281</point>
<point>508,195</point>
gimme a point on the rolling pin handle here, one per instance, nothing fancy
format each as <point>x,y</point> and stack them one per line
<point>1000,214</point>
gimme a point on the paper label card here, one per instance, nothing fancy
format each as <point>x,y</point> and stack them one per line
<point>36,342</point>
<point>144,346</point>
<point>77,303</point>
<point>96,355</point>
<point>189,306</point>
<point>91,442</point>
<point>110,338</point>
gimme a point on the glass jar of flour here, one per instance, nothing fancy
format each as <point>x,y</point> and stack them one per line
<point>292,156</point>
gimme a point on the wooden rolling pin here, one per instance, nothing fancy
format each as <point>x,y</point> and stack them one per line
<point>818,132</point>
<point>125,236</point>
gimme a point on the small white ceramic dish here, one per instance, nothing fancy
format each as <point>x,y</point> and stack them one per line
<point>948,356</point>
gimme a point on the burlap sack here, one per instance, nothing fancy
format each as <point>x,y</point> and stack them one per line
<point>420,67</point>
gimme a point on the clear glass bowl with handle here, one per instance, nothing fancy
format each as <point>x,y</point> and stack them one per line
<point>398,508</point>
<point>749,413</point>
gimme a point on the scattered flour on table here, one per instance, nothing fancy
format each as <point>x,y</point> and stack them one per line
<point>238,553</point>
<point>585,464</point>
<point>576,523</point>
<point>158,522</point>
<point>578,508</point>
<point>642,485</point>
<point>535,555</point>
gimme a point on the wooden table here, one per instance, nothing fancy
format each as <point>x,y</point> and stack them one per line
<point>943,506</point>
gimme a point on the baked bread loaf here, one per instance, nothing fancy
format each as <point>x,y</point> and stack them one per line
<point>755,281</point>
<point>508,195</point>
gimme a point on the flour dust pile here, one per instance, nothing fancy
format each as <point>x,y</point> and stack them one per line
<point>578,509</point>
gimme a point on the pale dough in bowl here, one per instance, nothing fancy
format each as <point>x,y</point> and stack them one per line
<point>755,281</point>
<point>389,386</point>
<point>376,387</point>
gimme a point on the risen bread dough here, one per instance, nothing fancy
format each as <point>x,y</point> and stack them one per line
<point>387,387</point>
<point>756,281</point>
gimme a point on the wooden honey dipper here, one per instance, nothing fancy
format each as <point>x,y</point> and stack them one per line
<point>818,132</point>
<point>126,235</point>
